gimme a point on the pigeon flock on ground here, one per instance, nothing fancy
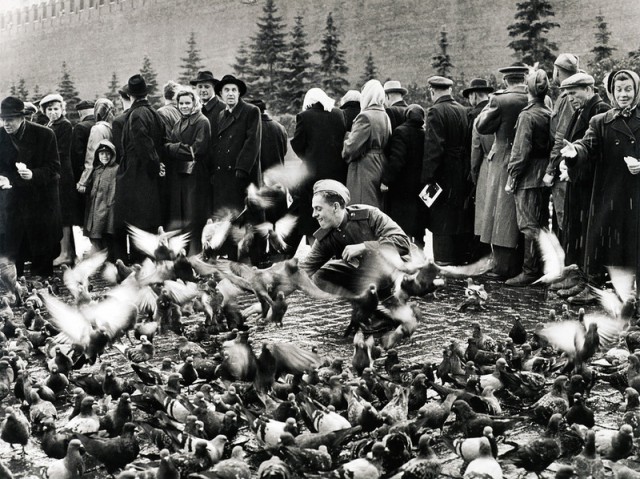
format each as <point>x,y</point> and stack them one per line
<point>228,408</point>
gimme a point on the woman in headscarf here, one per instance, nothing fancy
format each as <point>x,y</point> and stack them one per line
<point>364,147</point>
<point>611,147</point>
<point>320,130</point>
<point>53,106</point>
<point>187,175</point>
<point>402,175</point>
<point>104,113</point>
<point>350,106</point>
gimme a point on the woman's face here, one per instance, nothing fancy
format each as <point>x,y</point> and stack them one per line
<point>623,92</point>
<point>53,110</point>
<point>185,104</point>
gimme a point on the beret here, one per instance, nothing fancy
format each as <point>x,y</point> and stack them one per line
<point>579,79</point>
<point>568,62</point>
<point>51,97</point>
<point>538,83</point>
<point>440,82</point>
<point>85,105</point>
<point>332,186</point>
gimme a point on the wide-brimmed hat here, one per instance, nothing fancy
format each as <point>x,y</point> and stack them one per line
<point>202,76</point>
<point>477,84</point>
<point>515,70</point>
<point>50,98</point>
<point>11,107</point>
<point>230,79</point>
<point>393,86</point>
<point>137,85</point>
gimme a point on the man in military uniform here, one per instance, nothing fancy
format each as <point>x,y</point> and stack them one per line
<point>446,162</point>
<point>526,167</point>
<point>352,235</point>
<point>500,226</point>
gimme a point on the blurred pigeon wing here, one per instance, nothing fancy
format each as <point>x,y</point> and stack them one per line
<point>68,320</point>
<point>552,254</point>
<point>181,293</point>
<point>147,243</point>
<point>78,275</point>
<point>228,290</point>
<point>622,280</point>
<point>179,242</point>
<point>285,225</point>
<point>113,314</point>
<point>608,300</point>
<point>475,269</point>
<point>286,176</point>
<point>293,359</point>
<point>562,335</point>
<point>147,300</point>
<point>609,329</point>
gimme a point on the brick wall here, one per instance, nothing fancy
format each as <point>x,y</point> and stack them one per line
<point>114,35</point>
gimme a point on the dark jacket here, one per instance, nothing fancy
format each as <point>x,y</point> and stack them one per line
<point>117,125</point>
<point>446,162</point>
<point>212,111</point>
<point>396,113</point>
<point>560,116</point>
<point>66,185</point>
<point>350,110</point>
<point>236,155</point>
<point>101,189</point>
<point>79,139</point>
<point>275,143</point>
<point>170,115</point>
<point>32,207</point>
<point>137,199</point>
<point>531,146</point>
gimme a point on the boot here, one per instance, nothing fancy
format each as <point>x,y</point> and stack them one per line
<point>523,279</point>
<point>585,296</point>
<point>530,266</point>
<point>573,291</point>
<point>573,277</point>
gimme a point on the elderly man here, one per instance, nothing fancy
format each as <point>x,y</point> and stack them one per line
<point>446,163</point>
<point>500,226</point>
<point>349,234</point>
<point>30,206</point>
<point>396,106</point>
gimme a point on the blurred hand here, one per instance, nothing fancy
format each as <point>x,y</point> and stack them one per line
<point>163,170</point>
<point>81,189</point>
<point>383,188</point>
<point>508,188</point>
<point>548,180</point>
<point>634,167</point>
<point>568,151</point>
<point>353,251</point>
<point>25,174</point>
<point>564,171</point>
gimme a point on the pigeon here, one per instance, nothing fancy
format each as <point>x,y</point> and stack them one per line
<point>72,466</point>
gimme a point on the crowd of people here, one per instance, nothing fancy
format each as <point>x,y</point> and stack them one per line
<point>498,165</point>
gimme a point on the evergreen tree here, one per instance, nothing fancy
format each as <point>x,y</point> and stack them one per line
<point>67,90</point>
<point>333,66</point>
<point>13,91</point>
<point>192,63</point>
<point>530,31</point>
<point>267,55</point>
<point>22,91</point>
<point>370,69</point>
<point>299,69</point>
<point>442,62</point>
<point>602,50</point>
<point>242,66</point>
<point>151,78</point>
<point>112,93</point>
<point>36,95</point>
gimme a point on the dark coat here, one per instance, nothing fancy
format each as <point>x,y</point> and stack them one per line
<point>396,113</point>
<point>212,111</point>
<point>117,125</point>
<point>318,143</point>
<point>189,191</point>
<point>579,186</point>
<point>499,117</point>
<point>66,186</point>
<point>402,176</point>
<point>101,191</point>
<point>137,200</point>
<point>79,140</point>
<point>446,162</point>
<point>350,110</point>
<point>236,151</point>
<point>32,207</point>
<point>274,144</point>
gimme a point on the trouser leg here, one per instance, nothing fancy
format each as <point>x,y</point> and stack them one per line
<point>529,204</point>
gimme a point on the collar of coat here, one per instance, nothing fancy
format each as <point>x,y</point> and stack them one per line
<point>400,103</point>
<point>611,115</point>
<point>444,98</point>
<point>211,104</point>
<point>139,103</point>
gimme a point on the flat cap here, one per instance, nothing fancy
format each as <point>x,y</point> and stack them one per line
<point>50,98</point>
<point>440,82</point>
<point>578,80</point>
<point>568,62</point>
<point>332,186</point>
<point>515,70</point>
<point>538,83</point>
<point>85,105</point>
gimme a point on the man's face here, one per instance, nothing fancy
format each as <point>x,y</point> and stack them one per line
<point>12,125</point>
<point>205,91</point>
<point>230,94</point>
<point>327,215</point>
<point>473,98</point>
<point>53,110</point>
<point>579,96</point>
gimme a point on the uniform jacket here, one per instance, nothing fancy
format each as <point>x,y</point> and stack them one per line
<point>361,224</point>
<point>275,143</point>
<point>396,113</point>
<point>101,188</point>
<point>137,199</point>
<point>499,118</point>
<point>32,207</point>
<point>236,147</point>
<point>531,146</point>
<point>350,109</point>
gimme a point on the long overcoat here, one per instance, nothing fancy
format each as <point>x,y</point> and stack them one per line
<point>446,162</point>
<point>189,191</point>
<point>79,140</point>
<point>499,117</point>
<point>613,237</point>
<point>274,144</point>
<point>402,176</point>
<point>236,147</point>
<point>318,143</point>
<point>350,110</point>
<point>32,207</point>
<point>137,199</point>
<point>364,152</point>
<point>66,186</point>
<point>396,113</point>
<point>480,148</point>
<point>101,190</point>
<point>579,186</point>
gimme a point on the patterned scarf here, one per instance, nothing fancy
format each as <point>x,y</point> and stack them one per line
<point>609,82</point>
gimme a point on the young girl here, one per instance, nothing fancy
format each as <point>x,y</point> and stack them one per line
<point>101,187</point>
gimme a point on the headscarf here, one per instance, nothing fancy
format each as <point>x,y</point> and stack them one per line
<point>188,91</point>
<point>609,83</point>
<point>102,108</point>
<point>316,95</point>
<point>351,95</point>
<point>415,112</point>
<point>538,83</point>
<point>372,94</point>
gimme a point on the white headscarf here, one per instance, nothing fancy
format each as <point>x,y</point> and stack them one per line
<point>372,94</point>
<point>316,95</point>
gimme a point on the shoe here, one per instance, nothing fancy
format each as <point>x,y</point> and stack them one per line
<point>493,276</point>
<point>585,297</point>
<point>59,261</point>
<point>573,291</point>
<point>567,283</point>
<point>523,279</point>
